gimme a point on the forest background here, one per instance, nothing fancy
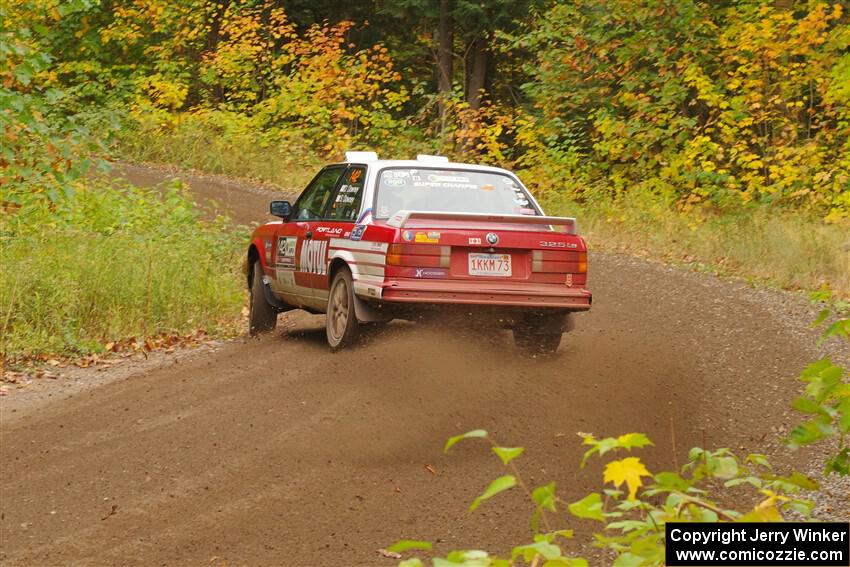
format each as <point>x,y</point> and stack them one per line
<point>713,134</point>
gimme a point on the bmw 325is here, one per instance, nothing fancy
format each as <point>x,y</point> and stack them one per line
<point>370,240</point>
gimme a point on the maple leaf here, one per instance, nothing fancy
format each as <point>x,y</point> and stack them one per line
<point>629,470</point>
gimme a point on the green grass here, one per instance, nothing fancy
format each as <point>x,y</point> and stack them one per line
<point>114,263</point>
<point>779,247</point>
<point>221,143</point>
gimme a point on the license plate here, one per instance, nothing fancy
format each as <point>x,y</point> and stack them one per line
<point>493,265</point>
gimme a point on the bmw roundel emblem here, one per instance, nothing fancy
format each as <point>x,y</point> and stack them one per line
<point>492,238</point>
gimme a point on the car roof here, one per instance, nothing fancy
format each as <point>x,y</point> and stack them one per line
<point>423,164</point>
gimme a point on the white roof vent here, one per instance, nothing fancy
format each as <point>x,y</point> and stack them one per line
<point>360,156</point>
<point>432,159</point>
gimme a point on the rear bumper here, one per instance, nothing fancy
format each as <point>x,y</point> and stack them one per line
<point>466,292</point>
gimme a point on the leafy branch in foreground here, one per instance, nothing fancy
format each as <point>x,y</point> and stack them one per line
<point>633,505</point>
<point>826,398</point>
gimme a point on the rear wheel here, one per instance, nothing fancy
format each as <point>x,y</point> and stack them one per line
<point>541,335</point>
<point>341,325</point>
<point>262,317</point>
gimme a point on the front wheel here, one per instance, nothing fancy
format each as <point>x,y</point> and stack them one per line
<point>341,325</point>
<point>262,317</point>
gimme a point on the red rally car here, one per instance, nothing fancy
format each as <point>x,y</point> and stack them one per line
<point>371,240</point>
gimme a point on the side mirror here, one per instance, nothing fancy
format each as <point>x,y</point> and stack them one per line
<point>281,209</point>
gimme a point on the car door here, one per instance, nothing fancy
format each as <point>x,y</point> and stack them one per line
<point>293,249</point>
<point>337,223</point>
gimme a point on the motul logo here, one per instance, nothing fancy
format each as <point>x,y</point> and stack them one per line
<point>313,256</point>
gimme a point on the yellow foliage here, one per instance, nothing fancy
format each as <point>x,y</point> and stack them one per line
<point>629,470</point>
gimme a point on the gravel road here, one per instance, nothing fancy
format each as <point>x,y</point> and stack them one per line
<point>275,451</point>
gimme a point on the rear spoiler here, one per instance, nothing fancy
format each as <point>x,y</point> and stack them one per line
<point>401,218</point>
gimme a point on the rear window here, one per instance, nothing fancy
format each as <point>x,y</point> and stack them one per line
<point>449,190</point>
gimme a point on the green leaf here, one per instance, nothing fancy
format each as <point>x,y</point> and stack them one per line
<point>840,328</point>
<point>544,496</point>
<point>628,560</point>
<point>806,405</point>
<point>759,459</point>
<point>589,507</point>
<point>499,485</point>
<point>795,479</point>
<point>821,318</point>
<point>839,463</point>
<point>752,480</point>
<point>529,552</point>
<point>508,454</point>
<point>412,562</point>
<point>807,433</point>
<point>475,433</point>
<point>566,562</point>
<point>671,481</point>
<point>632,440</point>
<point>407,544</point>
<point>724,467</point>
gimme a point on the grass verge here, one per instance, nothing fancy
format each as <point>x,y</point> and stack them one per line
<point>778,247</point>
<point>113,262</point>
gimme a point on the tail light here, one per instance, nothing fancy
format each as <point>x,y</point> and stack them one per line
<point>418,255</point>
<point>394,255</point>
<point>582,262</point>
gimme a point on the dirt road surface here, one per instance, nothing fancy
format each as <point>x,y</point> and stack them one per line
<point>275,451</point>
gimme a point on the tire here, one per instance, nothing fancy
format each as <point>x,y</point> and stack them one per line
<point>262,317</point>
<point>541,336</point>
<point>341,324</point>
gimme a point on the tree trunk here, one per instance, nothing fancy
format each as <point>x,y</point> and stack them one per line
<point>213,36</point>
<point>478,62</point>
<point>445,33</point>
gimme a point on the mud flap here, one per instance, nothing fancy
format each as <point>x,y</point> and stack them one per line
<point>366,313</point>
<point>569,323</point>
<point>279,306</point>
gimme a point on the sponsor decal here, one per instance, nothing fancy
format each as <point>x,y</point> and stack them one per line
<point>569,280</point>
<point>286,277</point>
<point>286,247</point>
<point>357,232</point>
<point>492,238</point>
<point>313,258</point>
<point>429,273</point>
<point>427,237</point>
<point>376,246</point>
<point>448,178</point>
<point>329,230</point>
<point>285,262</point>
<point>474,240</point>
<point>394,182</point>
<point>397,174</point>
<point>267,246</point>
<point>355,175</point>
<point>407,236</point>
